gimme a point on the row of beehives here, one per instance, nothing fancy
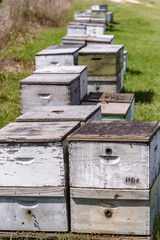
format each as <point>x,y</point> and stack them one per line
<point>108,181</point>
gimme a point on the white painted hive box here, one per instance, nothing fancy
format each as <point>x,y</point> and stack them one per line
<point>75,39</point>
<point>49,90</point>
<point>115,154</point>
<point>99,8</point>
<point>76,28</point>
<point>109,107</point>
<point>34,176</point>
<point>61,114</point>
<point>85,18</point>
<point>57,55</point>
<point>81,70</point>
<point>95,29</point>
<point>115,211</point>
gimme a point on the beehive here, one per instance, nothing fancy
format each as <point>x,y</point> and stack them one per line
<point>99,20</point>
<point>109,17</point>
<point>86,39</point>
<point>83,18</point>
<point>61,114</point>
<point>107,154</point>
<point>65,70</point>
<point>49,90</point>
<point>99,8</point>
<point>115,211</point>
<point>76,28</point>
<point>113,106</point>
<point>125,60</point>
<point>34,176</point>
<point>57,55</point>
<point>94,29</point>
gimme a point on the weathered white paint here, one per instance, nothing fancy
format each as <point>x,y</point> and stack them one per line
<point>33,214</point>
<point>99,7</point>
<point>99,20</point>
<point>115,211</point>
<point>57,55</point>
<point>49,90</point>
<point>83,19</point>
<point>81,70</point>
<point>61,113</point>
<point>76,28</point>
<point>95,29</point>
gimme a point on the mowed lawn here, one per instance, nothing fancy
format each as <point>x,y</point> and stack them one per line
<point>136,25</point>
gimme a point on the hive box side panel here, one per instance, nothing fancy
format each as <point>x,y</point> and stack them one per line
<point>110,216</point>
<point>45,60</point>
<point>83,84</point>
<point>95,30</point>
<point>32,165</point>
<point>43,95</point>
<point>93,165</point>
<point>75,94</point>
<point>33,214</point>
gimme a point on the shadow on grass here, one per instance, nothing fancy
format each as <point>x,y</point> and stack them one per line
<point>134,72</point>
<point>142,96</point>
<point>111,27</point>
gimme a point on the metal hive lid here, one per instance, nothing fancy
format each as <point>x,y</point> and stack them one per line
<point>116,131</point>
<point>109,97</point>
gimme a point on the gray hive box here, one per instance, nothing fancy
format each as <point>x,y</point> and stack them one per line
<point>114,177</point>
<point>86,39</point>
<point>49,90</point>
<point>104,65</point>
<point>57,55</point>
<point>125,60</point>
<point>61,114</point>
<point>99,8</point>
<point>76,28</point>
<point>109,17</point>
<point>85,18</point>
<point>81,70</point>
<point>34,176</point>
<point>113,106</point>
<point>94,29</point>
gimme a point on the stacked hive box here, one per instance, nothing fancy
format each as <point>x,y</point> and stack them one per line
<point>61,85</point>
<point>113,106</point>
<point>104,66</point>
<point>114,179</point>
<point>61,114</point>
<point>34,176</point>
<point>99,14</point>
<point>86,39</point>
<point>57,55</point>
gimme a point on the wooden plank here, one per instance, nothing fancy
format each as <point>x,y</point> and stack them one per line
<point>37,132</point>
<point>32,191</point>
<point>116,131</point>
<point>47,235</point>
<point>59,113</point>
<point>109,193</point>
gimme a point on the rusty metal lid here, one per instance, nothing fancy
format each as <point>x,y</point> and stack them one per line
<point>109,97</point>
<point>116,131</point>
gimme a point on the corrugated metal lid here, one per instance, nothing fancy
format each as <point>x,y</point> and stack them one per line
<point>37,131</point>
<point>116,131</point>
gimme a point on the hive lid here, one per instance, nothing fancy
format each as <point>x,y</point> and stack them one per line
<point>100,39</point>
<point>95,24</point>
<point>50,79</point>
<point>61,69</point>
<point>116,131</point>
<point>109,97</point>
<point>59,50</point>
<point>59,113</point>
<point>100,48</point>
<point>77,24</point>
<point>75,37</point>
<point>37,131</point>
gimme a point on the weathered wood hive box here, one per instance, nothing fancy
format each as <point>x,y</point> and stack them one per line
<point>113,177</point>
<point>76,28</point>
<point>86,39</point>
<point>94,29</point>
<point>49,90</point>
<point>57,55</point>
<point>113,106</point>
<point>65,70</point>
<point>34,176</point>
<point>105,67</point>
<point>85,18</point>
<point>61,114</point>
<point>98,14</point>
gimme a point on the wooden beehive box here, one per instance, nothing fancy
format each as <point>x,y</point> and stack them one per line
<point>49,90</point>
<point>109,17</point>
<point>102,59</point>
<point>65,70</point>
<point>99,8</point>
<point>61,114</point>
<point>113,106</point>
<point>101,13</point>
<point>57,55</point>
<point>34,176</point>
<point>115,211</point>
<point>85,18</point>
<point>100,39</point>
<point>107,154</point>
<point>99,20</point>
<point>94,29</point>
<point>74,39</point>
<point>76,28</point>
<point>125,60</point>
